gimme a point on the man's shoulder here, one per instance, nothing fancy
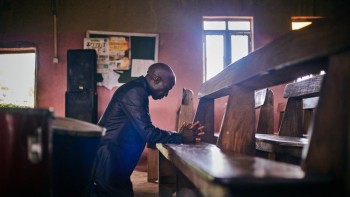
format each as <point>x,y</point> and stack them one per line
<point>136,86</point>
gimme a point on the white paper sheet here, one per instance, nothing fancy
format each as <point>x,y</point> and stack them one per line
<point>139,67</point>
<point>110,79</point>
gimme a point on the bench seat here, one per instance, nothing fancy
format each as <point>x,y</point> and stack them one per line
<point>218,173</point>
<point>280,144</point>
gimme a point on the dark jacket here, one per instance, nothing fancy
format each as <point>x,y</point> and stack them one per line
<point>128,128</point>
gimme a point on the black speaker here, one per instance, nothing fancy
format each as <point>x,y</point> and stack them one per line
<point>82,106</point>
<point>81,70</point>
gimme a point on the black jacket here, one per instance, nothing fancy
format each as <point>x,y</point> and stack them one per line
<point>128,128</point>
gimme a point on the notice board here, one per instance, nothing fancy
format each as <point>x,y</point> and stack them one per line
<point>122,57</point>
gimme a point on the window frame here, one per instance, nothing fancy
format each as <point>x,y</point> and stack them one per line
<point>21,48</point>
<point>227,38</point>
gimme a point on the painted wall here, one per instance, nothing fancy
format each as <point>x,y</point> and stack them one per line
<point>178,23</point>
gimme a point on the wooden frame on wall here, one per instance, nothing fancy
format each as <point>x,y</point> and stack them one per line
<point>140,51</point>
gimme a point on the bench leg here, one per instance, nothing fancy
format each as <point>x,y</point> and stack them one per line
<point>184,186</point>
<point>152,160</point>
<point>166,178</point>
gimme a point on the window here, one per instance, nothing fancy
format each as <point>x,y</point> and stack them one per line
<point>226,40</point>
<point>17,77</point>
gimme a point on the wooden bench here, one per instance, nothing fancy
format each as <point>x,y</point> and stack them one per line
<point>230,168</point>
<point>288,144</point>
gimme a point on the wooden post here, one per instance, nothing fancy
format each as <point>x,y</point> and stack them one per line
<point>205,114</point>
<point>238,129</point>
<point>328,151</point>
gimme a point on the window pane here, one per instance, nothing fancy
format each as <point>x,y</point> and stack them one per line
<point>17,79</point>
<point>299,25</point>
<point>214,25</point>
<point>239,25</point>
<point>214,54</point>
<point>239,47</point>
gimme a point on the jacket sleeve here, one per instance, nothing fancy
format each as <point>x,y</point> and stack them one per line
<point>135,105</point>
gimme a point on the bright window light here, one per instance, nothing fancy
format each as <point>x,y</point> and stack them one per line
<point>239,47</point>
<point>239,25</point>
<point>17,79</point>
<point>214,25</point>
<point>299,25</point>
<point>214,54</point>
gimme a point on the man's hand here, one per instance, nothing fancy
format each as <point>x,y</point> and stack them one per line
<point>191,132</point>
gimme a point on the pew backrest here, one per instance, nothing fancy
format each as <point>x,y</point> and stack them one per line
<point>292,55</point>
<point>292,123</point>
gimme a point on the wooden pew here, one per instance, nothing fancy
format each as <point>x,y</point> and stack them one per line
<point>230,167</point>
<point>288,144</point>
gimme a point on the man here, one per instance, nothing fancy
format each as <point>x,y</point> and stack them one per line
<point>128,128</point>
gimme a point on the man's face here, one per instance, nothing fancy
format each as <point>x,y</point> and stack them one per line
<point>161,89</point>
<point>163,83</point>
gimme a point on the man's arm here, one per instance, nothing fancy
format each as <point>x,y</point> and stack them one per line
<point>135,106</point>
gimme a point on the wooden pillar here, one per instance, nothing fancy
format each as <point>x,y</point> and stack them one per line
<point>238,127</point>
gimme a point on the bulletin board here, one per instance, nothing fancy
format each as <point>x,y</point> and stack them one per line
<point>125,55</point>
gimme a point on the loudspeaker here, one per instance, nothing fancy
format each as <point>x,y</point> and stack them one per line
<point>81,70</point>
<point>82,106</point>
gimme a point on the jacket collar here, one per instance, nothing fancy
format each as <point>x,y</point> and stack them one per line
<point>143,80</point>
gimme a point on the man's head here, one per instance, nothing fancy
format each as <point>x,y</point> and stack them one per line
<point>161,79</point>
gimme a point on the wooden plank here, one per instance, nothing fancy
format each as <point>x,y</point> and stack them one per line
<point>328,151</point>
<point>186,110</point>
<point>217,173</point>
<point>292,121</point>
<point>305,89</point>
<point>199,179</point>
<point>238,126</point>
<point>204,158</point>
<point>266,115</point>
<point>282,140</point>
<point>152,164</point>
<point>284,59</point>
<point>205,115</point>
<point>281,145</point>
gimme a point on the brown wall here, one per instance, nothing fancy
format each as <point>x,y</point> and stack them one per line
<point>178,23</point>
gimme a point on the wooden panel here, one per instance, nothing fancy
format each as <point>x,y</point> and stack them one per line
<point>278,61</point>
<point>306,88</point>
<point>238,126</point>
<point>205,115</point>
<point>152,164</point>
<point>328,150</point>
<point>218,173</point>
<point>186,110</point>
<point>292,121</point>
<point>280,144</point>
<point>266,116</point>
